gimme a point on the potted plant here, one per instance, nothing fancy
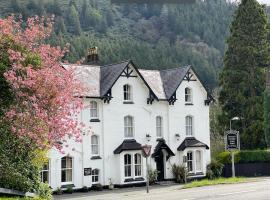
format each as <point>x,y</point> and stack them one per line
<point>59,191</point>
<point>69,190</point>
<point>111,186</point>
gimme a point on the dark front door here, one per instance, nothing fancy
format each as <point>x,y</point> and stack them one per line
<point>160,167</point>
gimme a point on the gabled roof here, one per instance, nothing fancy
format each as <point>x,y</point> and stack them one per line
<point>109,75</point>
<point>172,78</point>
<point>128,145</point>
<point>191,142</point>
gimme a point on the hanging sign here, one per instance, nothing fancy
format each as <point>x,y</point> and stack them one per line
<point>87,171</point>
<point>232,140</point>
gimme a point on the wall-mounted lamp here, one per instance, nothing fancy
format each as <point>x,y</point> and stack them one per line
<point>177,136</point>
<point>148,137</point>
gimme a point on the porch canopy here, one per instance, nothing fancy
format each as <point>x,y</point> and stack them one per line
<point>160,146</point>
<point>191,142</point>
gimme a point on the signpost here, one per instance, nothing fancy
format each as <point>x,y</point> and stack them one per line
<point>232,142</point>
<point>146,151</point>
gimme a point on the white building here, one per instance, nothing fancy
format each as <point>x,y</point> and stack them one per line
<point>127,107</point>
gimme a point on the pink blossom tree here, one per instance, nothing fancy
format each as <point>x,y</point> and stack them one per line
<point>46,95</point>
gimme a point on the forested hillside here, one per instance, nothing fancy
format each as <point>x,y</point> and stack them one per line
<point>154,36</point>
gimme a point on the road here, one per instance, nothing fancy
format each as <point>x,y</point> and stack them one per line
<point>259,190</point>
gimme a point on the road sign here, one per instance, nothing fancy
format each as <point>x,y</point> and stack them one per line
<point>232,140</point>
<point>146,149</point>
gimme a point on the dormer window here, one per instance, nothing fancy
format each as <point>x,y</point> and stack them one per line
<point>188,95</point>
<point>127,93</point>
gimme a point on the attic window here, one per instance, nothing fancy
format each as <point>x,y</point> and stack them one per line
<point>127,93</point>
<point>188,95</point>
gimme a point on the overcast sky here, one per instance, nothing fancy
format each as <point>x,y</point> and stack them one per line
<point>265,1</point>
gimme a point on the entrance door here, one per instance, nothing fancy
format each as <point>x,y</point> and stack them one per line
<point>160,166</point>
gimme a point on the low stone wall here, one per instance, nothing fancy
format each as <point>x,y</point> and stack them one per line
<point>247,169</point>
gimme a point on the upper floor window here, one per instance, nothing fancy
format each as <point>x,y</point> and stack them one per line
<point>159,126</point>
<point>95,176</point>
<point>95,145</point>
<point>45,173</point>
<point>128,126</point>
<point>188,95</point>
<point>66,169</point>
<point>93,109</point>
<point>127,165</point>
<point>127,93</point>
<point>189,125</point>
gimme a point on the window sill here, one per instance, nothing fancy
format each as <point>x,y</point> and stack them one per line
<point>67,185</point>
<point>189,104</point>
<point>94,120</point>
<point>128,102</point>
<point>127,180</point>
<point>95,158</point>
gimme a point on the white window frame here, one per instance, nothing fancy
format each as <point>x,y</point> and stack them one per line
<point>66,169</point>
<point>189,125</point>
<point>95,145</point>
<point>45,171</point>
<point>188,96</point>
<point>95,175</point>
<point>199,161</point>
<point>129,126</point>
<point>127,92</point>
<point>93,109</point>
<point>159,126</point>
<point>190,161</point>
<point>138,164</point>
<point>128,165</point>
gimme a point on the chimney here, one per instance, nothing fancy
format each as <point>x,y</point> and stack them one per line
<point>92,56</point>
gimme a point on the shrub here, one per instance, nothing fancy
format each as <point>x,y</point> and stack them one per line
<point>214,170</point>
<point>44,191</point>
<point>180,172</point>
<point>69,190</point>
<point>152,176</point>
<point>247,156</point>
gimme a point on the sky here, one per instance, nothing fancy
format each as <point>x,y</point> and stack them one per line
<point>265,1</point>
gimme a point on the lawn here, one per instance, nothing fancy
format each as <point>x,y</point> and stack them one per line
<point>218,181</point>
<point>19,198</point>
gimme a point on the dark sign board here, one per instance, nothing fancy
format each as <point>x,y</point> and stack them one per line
<point>87,171</point>
<point>232,140</point>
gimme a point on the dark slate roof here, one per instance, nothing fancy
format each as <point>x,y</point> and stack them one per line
<point>172,78</point>
<point>191,142</point>
<point>128,145</point>
<point>162,145</point>
<point>109,75</point>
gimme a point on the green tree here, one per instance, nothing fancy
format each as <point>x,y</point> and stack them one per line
<point>73,20</point>
<point>242,80</point>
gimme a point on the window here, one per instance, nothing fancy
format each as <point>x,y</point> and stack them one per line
<point>66,169</point>
<point>95,176</point>
<point>190,161</point>
<point>198,161</point>
<point>188,95</point>
<point>159,126</point>
<point>93,109</point>
<point>127,165</point>
<point>129,126</point>
<point>138,164</point>
<point>127,92</point>
<point>94,144</point>
<point>189,125</point>
<point>45,173</point>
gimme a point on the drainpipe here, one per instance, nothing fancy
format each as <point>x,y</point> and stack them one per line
<point>103,144</point>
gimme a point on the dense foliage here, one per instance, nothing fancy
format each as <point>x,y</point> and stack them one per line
<point>242,80</point>
<point>214,169</point>
<point>248,156</point>
<point>153,35</point>
<point>180,173</point>
<point>266,107</point>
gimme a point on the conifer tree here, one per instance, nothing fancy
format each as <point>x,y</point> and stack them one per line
<point>242,80</point>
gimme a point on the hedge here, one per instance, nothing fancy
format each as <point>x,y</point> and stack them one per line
<point>247,156</point>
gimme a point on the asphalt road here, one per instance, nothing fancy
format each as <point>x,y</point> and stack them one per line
<point>255,190</point>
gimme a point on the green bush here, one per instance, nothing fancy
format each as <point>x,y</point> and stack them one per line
<point>214,170</point>
<point>44,191</point>
<point>152,176</point>
<point>247,156</point>
<point>179,172</point>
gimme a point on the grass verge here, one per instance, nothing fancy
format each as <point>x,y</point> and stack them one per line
<point>218,181</point>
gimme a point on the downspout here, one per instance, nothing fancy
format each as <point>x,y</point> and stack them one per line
<point>103,144</point>
<point>82,146</point>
